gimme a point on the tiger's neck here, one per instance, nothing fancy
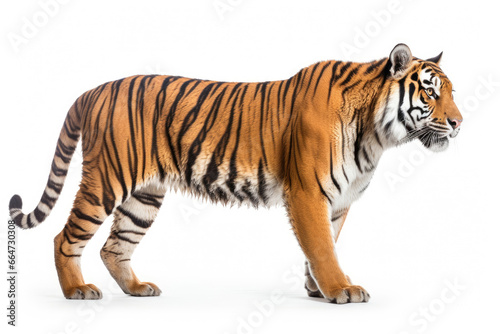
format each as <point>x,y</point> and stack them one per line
<point>354,105</point>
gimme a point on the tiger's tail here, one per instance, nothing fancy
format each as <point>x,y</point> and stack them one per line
<point>66,145</point>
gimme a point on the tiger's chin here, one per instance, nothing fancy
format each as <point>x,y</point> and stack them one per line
<point>436,144</point>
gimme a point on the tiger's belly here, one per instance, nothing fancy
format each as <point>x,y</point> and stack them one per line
<point>228,184</point>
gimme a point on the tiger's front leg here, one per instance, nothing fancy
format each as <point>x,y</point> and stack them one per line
<point>311,223</point>
<point>337,222</point>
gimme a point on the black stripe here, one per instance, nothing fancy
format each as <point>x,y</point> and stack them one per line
<point>136,220</point>
<point>345,174</point>
<point>67,150</point>
<point>66,236</point>
<point>140,106</point>
<point>47,200</point>
<point>337,217</point>
<point>262,183</point>
<point>285,92</point>
<point>74,225</point>
<point>369,162</point>
<point>401,116</point>
<point>232,162</point>
<point>220,150</point>
<point>170,120</point>
<point>343,137</point>
<point>246,190</point>
<point>321,189</point>
<point>344,69</point>
<point>115,90</point>
<point>71,135</point>
<point>297,169</point>
<point>298,78</point>
<point>108,194</point>
<point>319,77</point>
<point>18,219</point>
<point>29,223</point>
<point>311,77</point>
<point>81,237</point>
<point>90,197</point>
<point>195,148</point>
<point>387,127</point>
<point>158,112</point>
<point>269,110</point>
<point>133,162</point>
<point>118,236</point>
<point>147,200</point>
<point>261,127</point>
<point>347,89</point>
<point>331,172</point>
<point>278,101</point>
<point>359,136</point>
<point>196,83</point>
<point>61,156</point>
<point>333,78</point>
<point>349,76</point>
<point>218,195</point>
<point>211,174</point>
<point>410,96</point>
<point>111,252</point>
<point>377,138</point>
<point>67,255</point>
<point>80,215</point>
<point>58,171</point>
<point>191,117</point>
<point>56,187</point>
<point>39,215</point>
<point>374,66</point>
<point>130,231</point>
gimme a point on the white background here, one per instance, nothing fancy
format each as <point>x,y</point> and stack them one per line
<point>426,222</point>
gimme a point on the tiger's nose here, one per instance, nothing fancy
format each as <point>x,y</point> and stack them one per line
<point>455,123</point>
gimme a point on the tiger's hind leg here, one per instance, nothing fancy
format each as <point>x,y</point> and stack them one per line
<point>131,222</point>
<point>85,218</point>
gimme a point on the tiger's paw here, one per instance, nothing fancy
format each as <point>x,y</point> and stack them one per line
<point>144,289</point>
<point>312,287</point>
<point>88,291</point>
<point>349,294</point>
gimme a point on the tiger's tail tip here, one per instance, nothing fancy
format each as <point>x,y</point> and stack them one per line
<point>16,202</point>
<point>15,207</point>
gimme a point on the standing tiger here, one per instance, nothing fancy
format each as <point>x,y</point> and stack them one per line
<point>311,142</point>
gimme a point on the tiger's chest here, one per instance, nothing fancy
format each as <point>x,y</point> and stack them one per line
<point>351,192</point>
<point>354,177</point>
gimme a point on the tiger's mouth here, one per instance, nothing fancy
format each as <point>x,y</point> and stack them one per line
<point>435,141</point>
<point>455,133</point>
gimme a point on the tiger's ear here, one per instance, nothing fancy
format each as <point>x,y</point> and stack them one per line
<point>400,59</point>
<point>436,59</point>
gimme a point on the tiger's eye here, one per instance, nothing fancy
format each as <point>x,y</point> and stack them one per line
<point>430,92</point>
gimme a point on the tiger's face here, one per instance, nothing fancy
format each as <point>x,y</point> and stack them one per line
<point>426,106</point>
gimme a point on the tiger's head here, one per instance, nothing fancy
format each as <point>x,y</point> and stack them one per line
<point>422,94</point>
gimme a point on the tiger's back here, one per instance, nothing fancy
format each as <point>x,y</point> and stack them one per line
<point>219,140</point>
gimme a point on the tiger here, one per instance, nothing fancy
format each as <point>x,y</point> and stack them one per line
<point>310,143</point>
